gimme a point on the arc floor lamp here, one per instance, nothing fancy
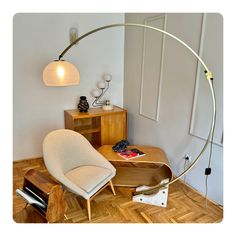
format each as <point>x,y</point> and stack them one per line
<point>63,73</point>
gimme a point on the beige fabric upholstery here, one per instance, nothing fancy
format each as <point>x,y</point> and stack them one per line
<point>84,176</point>
<point>72,160</point>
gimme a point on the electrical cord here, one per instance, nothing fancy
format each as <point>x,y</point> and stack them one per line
<point>208,169</point>
<point>183,189</point>
<point>206,190</point>
<point>206,186</point>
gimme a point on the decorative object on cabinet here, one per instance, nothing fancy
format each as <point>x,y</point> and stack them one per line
<point>208,76</point>
<point>83,105</point>
<point>103,86</point>
<point>108,106</point>
<point>71,159</point>
<point>44,195</point>
<point>98,126</point>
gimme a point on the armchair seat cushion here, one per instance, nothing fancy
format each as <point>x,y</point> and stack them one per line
<point>88,177</point>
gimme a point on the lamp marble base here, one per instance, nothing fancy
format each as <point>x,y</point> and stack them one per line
<point>158,199</point>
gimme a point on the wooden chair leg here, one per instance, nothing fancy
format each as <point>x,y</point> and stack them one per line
<point>89,209</point>
<point>112,187</point>
<point>65,216</point>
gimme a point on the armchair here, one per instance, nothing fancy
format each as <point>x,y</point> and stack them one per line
<point>72,160</point>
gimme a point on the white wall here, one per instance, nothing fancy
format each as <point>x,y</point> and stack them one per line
<point>39,39</point>
<point>166,96</point>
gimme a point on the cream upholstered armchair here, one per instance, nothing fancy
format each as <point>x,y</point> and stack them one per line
<point>72,160</point>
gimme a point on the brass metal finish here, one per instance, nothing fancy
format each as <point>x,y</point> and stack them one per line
<point>136,25</point>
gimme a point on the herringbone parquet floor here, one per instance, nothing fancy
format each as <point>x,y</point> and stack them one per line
<point>184,204</point>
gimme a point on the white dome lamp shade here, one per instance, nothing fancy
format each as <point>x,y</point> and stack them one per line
<point>60,73</point>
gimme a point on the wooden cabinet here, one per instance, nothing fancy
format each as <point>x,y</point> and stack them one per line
<point>98,126</point>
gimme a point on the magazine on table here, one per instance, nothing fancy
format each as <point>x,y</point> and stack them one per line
<point>131,153</point>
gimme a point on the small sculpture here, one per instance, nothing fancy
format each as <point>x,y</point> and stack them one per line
<point>103,86</point>
<point>83,105</point>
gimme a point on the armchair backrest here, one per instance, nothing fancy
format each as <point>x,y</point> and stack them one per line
<point>66,149</point>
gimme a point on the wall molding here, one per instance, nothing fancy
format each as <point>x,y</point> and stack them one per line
<point>147,21</point>
<point>196,89</point>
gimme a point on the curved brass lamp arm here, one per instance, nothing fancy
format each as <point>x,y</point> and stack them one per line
<point>209,78</point>
<point>137,25</point>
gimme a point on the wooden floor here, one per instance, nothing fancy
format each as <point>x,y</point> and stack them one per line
<point>184,205</point>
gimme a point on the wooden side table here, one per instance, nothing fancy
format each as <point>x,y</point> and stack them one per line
<point>146,170</point>
<point>49,191</point>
